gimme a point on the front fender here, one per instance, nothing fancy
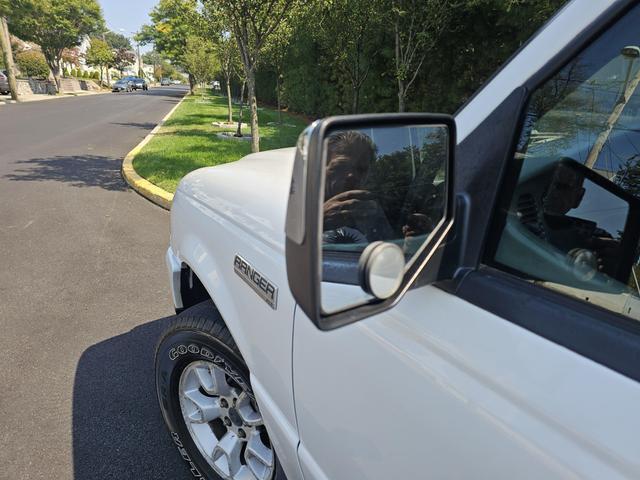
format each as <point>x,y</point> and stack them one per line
<point>208,241</point>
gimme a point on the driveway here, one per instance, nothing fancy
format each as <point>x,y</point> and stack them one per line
<point>83,292</point>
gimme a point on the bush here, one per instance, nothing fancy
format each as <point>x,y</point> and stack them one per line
<point>74,72</point>
<point>67,73</point>
<point>95,76</point>
<point>32,64</point>
<point>85,74</point>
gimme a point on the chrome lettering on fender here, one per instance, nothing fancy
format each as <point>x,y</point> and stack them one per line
<point>258,282</point>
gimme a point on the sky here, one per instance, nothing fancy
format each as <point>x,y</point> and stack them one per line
<point>127,16</point>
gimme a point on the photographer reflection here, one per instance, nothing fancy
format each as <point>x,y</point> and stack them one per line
<point>584,241</point>
<point>351,213</point>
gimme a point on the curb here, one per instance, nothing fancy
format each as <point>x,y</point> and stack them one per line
<point>141,185</point>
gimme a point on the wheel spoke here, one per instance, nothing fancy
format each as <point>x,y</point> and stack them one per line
<point>259,457</point>
<point>246,411</point>
<point>226,455</point>
<point>244,473</point>
<point>219,385</point>
<point>205,379</point>
<point>203,409</point>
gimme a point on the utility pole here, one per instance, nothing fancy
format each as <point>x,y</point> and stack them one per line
<point>5,43</point>
<point>140,70</point>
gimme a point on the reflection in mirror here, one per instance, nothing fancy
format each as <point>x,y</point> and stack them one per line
<point>383,183</point>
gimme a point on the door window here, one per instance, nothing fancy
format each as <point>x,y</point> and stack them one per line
<point>571,218</point>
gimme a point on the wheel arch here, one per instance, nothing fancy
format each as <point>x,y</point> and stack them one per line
<point>201,279</point>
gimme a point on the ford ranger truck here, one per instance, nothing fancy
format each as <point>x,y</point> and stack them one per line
<point>415,296</point>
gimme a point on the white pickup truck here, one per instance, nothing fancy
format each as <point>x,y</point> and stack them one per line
<point>416,296</point>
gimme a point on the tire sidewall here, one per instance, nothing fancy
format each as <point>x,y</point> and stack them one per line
<point>175,352</point>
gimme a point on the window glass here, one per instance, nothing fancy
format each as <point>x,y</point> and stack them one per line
<point>572,219</point>
<point>383,183</point>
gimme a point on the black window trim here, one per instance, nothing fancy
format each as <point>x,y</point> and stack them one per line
<point>606,337</point>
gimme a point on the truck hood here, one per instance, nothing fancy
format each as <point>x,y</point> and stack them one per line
<point>252,193</point>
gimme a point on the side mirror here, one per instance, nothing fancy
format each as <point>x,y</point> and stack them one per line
<point>370,201</point>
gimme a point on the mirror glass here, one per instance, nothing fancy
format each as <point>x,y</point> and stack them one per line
<point>381,183</point>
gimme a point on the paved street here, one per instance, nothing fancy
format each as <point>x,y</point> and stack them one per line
<point>83,292</point>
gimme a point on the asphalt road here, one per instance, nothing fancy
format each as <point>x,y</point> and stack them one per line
<point>83,293</point>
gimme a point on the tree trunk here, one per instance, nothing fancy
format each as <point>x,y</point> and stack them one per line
<point>356,99</point>
<point>278,98</point>
<point>108,78</point>
<point>396,27</point>
<point>239,131</point>
<point>5,43</point>
<point>401,95</point>
<point>54,66</point>
<point>229,106</point>
<point>253,106</point>
<point>191,84</point>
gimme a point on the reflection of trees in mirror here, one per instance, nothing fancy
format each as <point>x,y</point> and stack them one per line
<point>410,182</point>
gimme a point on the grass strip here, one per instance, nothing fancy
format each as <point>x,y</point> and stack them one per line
<point>188,140</point>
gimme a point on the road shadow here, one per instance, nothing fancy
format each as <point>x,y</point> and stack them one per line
<point>75,170</point>
<point>118,431</point>
<point>144,126</point>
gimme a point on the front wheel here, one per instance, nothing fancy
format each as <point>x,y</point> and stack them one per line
<point>206,399</point>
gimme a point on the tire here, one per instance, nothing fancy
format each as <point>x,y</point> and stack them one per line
<point>206,400</point>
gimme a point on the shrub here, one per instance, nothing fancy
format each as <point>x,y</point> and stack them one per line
<point>85,74</point>
<point>95,75</point>
<point>67,73</point>
<point>32,64</point>
<point>74,72</point>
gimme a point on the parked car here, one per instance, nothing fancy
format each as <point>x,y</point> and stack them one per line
<point>176,82</point>
<point>4,83</point>
<point>164,82</point>
<point>420,296</point>
<point>122,85</point>
<point>140,84</point>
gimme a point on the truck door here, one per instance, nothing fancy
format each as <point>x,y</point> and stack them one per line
<point>525,362</point>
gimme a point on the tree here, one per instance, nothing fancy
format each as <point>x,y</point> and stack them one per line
<point>7,52</point>
<point>117,41</point>
<point>71,56</point>
<point>276,56</point>
<point>32,64</point>
<point>154,58</point>
<point>122,58</point>
<point>199,59</point>
<point>346,34</point>
<point>252,22</point>
<point>55,25</point>
<point>417,26</point>
<point>227,52</point>
<point>100,55</point>
<point>172,23</point>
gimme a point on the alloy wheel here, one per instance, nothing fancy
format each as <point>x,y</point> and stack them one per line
<point>224,423</point>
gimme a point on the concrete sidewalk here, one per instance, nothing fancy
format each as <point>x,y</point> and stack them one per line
<point>39,97</point>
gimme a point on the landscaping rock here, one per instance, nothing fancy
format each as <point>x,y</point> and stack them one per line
<point>231,136</point>
<point>232,125</point>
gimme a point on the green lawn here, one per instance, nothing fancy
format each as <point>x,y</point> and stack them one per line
<point>188,141</point>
